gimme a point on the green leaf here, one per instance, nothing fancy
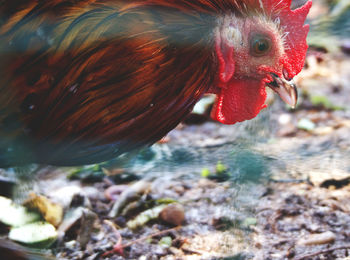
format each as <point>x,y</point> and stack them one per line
<point>38,234</point>
<point>15,215</point>
<point>220,168</point>
<point>165,241</point>
<point>205,173</point>
<point>90,173</point>
<point>323,101</point>
<point>249,222</point>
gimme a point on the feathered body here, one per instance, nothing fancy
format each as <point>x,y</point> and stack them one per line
<point>83,81</point>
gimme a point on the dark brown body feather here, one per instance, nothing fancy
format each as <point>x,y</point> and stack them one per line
<point>83,81</point>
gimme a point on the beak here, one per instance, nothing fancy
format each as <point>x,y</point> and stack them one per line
<point>287,90</point>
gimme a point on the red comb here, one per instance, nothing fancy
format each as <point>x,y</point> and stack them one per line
<point>292,23</point>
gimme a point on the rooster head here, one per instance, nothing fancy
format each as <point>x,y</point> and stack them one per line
<point>264,45</point>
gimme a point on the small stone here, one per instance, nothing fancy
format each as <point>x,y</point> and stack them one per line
<point>306,124</point>
<point>285,119</point>
<point>179,189</point>
<point>345,47</point>
<point>287,130</point>
<point>324,130</point>
<point>173,214</point>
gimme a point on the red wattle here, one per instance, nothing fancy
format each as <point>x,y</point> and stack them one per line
<point>240,100</point>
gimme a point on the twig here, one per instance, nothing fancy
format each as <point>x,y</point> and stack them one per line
<point>193,252</point>
<point>118,247</point>
<point>150,236</point>
<point>324,251</point>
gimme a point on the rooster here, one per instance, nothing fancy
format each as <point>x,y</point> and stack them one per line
<point>84,81</point>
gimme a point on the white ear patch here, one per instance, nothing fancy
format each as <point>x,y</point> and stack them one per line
<point>233,35</point>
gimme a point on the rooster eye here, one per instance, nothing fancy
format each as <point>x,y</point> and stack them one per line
<point>260,45</point>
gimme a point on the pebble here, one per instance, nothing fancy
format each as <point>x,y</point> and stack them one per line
<point>173,214</point>
<point>324,130</point>
<point>285,119</point>
<point>179,189</point>
<point>306,124</point>
<point>345,47</point>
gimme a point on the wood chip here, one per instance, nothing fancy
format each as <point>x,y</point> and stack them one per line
<point>318,239</point>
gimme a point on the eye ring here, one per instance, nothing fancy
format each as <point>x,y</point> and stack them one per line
<point>260,45</point>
